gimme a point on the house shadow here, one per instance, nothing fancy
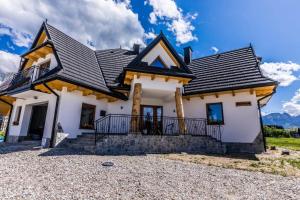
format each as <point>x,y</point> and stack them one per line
<point>70,151</point>
<point>6,148</point>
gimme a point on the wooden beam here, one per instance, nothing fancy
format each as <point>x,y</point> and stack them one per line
<point>217,95</point>
<point>136,107</point>
<point>233,93</point>
<point>167,79</point>
<point>152,77</point>
<point>138,75</point>
<point>179,110</point>
<point>201,97</point>
<point>251,91</point>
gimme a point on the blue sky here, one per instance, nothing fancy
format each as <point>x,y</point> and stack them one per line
<point>272,27</point>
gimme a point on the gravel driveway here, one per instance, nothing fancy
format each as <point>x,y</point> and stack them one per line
<point>65,174</point>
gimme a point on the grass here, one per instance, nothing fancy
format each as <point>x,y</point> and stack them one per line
<point>288,143</point>
<point>271,162</point>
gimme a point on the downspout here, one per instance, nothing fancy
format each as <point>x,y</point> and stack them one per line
<point>260,118</point>
<point>53,135</point>
<point>9,117</point>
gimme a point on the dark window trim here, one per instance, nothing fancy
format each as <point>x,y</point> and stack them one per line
<point>207,116</point>
<point>243,103</point>
<point>17,116</point>
<point>94,112</point>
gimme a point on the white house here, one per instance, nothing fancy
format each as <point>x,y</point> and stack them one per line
<point>64,88</point>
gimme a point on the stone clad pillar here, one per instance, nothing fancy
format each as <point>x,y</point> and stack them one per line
<point>179,110</point>
<point>136,107</point>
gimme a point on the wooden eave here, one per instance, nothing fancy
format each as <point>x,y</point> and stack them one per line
<point>4,107</point>
<point>59,84</point>
<point>258,91</point>
<point>129,76</point>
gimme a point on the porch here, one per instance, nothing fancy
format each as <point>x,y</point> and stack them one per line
<point>121,124</point>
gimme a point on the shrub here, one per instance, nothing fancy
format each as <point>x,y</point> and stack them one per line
<point>271,131</point>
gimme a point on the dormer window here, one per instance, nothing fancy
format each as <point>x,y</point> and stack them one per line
<point>158,62</point>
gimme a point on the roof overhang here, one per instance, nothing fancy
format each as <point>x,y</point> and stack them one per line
<point>57,82</point>
<point>258,90</point>
<point>129,75</point>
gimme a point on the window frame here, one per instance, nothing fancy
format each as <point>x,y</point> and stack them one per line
<point>17,116</point>
<point>161,61</point>
<point>86,105</point>
<point>207,114</point>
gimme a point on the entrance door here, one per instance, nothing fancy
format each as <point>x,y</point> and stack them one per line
<point>152,119</point>
<point>37,122</point>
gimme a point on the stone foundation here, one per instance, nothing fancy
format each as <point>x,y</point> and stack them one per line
<point>141,144</point>
<point>256,147</point>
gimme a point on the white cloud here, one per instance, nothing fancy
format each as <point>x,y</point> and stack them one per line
<point>9,62</point>
<point>281,72</point>
<point>167,12</point>
<point>103,23</point>
<point>292,107</point>
<point>214,49</point>
<point>18,38</point>
<point>150,35</point>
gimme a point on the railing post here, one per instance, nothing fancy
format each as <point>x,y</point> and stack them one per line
<point>109,123</point>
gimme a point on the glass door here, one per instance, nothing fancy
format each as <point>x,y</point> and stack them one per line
<point>151,119</point>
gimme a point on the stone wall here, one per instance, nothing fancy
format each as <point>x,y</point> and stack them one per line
<point>256,147</point>
<point>140,144</point>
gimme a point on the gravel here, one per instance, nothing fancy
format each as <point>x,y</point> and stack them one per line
<point>66,174</point>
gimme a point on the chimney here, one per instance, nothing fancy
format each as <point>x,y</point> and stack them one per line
<point>188,54</point>
<point>136,48</point>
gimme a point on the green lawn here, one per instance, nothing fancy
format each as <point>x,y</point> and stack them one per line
<point>289,143</point>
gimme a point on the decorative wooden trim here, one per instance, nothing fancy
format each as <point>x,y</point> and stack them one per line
<point>169,53</point>
<point>129,76</point>
<point>59,85</point>
<point>259,91</point>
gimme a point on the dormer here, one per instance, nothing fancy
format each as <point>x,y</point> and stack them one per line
<point>41,54</point>
<point>160,55</point>
<point>158,59</point>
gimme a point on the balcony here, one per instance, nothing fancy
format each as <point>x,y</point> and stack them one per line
<point>24,77</point>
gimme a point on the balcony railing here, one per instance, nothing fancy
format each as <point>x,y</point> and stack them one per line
<point>24,77</point>
<point>118,124</point>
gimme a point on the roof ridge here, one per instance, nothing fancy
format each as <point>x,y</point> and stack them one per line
<point>223,52</point>
<point>47,24</point>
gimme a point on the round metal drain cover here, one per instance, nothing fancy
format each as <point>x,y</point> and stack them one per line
<point>108,164</point>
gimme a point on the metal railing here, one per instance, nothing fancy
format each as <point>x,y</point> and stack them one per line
<point>23,77</point>
<point>119,124</point>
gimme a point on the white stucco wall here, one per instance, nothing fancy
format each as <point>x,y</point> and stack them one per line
<point>70,111</point>
<point>158,50</point>
<point>241,124</point>
<point>27,102</point>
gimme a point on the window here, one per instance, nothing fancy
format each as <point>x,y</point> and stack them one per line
<point>158,63</point>
<point>17,116</point>
<point>214,112</point>
<point>243,103</point>
<point>87,116</point>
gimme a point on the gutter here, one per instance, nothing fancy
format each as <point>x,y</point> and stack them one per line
<point>260,117</point>
<point>9,118</point>
<point>53,134</point>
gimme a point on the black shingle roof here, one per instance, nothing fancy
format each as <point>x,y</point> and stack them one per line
<point>103,69</point>
<point>79,62</point>
<point>230,70</point>
<point>112,62</point>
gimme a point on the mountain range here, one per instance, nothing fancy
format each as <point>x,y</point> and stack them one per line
<point>281,119</point>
